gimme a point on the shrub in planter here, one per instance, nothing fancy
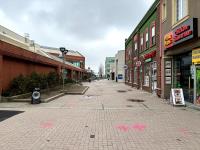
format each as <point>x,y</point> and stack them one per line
<point>52,79</point>
<point>33,81</point>
<point>19,85</point>
<point>69,81</point>
<point>25,84</point>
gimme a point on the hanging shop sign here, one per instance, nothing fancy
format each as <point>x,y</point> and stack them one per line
<point>150,55</point>
<point>196,56</point>
<point>185,31</point>
<point>177,97</point>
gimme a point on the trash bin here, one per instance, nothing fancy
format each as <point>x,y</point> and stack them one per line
<point>36,96</point>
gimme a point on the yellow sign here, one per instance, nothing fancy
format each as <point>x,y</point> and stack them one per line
<point>168,40</point>
<point>196,56</point>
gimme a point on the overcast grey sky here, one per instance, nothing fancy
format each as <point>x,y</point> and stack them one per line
<point>96,28</point>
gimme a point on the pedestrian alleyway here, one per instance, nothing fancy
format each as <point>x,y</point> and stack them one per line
<point>110,116</point>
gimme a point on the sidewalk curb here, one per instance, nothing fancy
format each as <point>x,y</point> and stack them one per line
<point>52,98</point>
<point>192,106</point>
<point>77,93</point>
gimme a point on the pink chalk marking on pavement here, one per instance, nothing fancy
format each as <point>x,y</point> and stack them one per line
<point>123,128</point>
<point>184,131</point>
<point>138,126</point>
<point>47,125</point>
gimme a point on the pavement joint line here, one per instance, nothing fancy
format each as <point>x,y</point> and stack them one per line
<point>145,105</point>
<point>72,108</point>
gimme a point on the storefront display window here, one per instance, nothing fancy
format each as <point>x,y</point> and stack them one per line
<point>146,74</point>
<point>182,76</point>
<point>198,85</point>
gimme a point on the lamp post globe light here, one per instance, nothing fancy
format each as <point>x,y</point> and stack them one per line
<point>64,52</point>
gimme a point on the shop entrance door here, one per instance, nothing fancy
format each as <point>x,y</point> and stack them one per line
<point>182,77</point>
<point>154,76</point>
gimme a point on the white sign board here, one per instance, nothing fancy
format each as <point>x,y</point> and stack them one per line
<point>168,80</point>
<point>168,64</point>
<point>177,97</point>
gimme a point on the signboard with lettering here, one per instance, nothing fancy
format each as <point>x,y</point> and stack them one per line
<point>150,55</point>
<point>196,56</point>
<point>185,31</point>
<point>177,97</point>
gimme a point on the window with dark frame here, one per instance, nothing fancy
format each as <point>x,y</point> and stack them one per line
<point>141,42</point>
<point>153,35</point>
<point>147,40</point>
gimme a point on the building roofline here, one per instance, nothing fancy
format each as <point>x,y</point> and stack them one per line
<point>141,23</point>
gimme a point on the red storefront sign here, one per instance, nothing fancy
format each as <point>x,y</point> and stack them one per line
<point>182,33</point>
<point>150,55</point>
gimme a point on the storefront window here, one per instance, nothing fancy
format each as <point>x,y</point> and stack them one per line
<point>182,75</point>
<point>198,85</point>
<point>146,74</point>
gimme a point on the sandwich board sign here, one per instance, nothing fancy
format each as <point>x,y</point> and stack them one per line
<point>177,97</point>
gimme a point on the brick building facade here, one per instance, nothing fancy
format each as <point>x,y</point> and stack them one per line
<point>19,56</point>
<point>142,50</point>
<point>180,41</point>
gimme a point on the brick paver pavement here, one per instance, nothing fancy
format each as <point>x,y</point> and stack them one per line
<point>102,119</point>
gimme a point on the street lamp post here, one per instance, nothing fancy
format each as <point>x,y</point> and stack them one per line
<point>64,52</point>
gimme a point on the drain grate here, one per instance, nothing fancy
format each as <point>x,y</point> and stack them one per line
<point>129,105</point>
<point>136,100</point>
<point>121,91</point>
<point>92,136</point>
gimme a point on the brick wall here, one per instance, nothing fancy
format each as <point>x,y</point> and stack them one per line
<point>158,53</point>
<point>15,61</point>
<point>14,67</point>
